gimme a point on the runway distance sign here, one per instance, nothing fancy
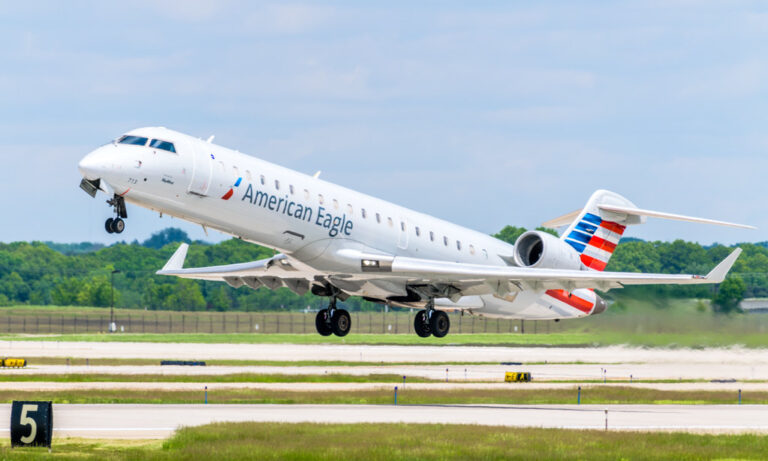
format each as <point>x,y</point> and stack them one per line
<point>31,424</point>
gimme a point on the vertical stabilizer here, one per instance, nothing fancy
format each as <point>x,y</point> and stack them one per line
<point>595,233</point>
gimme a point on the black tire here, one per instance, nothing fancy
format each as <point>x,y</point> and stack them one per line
<point>321,323</point>
<point>118,226</point>
<point>341,322</point>
<point>439,324</point>
<point>108,225</point>
<point>421,324</point>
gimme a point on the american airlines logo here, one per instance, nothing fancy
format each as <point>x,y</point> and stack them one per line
<point>284,205</point>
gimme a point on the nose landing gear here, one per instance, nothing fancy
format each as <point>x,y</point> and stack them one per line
<point>116,225</point>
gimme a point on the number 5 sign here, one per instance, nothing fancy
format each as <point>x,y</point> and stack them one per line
<point>31,424</point>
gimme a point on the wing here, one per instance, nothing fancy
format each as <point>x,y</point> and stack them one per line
<point>273,273</point>
<point>448,279</point>
<point>505,279</point>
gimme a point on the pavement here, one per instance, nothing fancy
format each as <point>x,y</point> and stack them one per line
<point>159,421</point>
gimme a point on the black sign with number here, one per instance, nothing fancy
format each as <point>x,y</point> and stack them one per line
<point>31,424</point>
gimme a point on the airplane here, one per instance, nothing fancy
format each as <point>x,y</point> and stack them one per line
<point>337,243</point>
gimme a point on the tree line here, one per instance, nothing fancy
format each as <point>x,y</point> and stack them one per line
<point>46,273</point>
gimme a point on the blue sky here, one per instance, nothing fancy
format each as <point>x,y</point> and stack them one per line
<point>482,113</point>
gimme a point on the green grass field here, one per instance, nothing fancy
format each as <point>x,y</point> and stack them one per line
<point>214,378</point>
<point>385,442</point>
<point>515,395</point>
<point>586,339</point>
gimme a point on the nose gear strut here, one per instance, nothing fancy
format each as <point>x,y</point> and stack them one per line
<point>116,225</point>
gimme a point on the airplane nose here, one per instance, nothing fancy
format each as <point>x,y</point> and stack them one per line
<point>93,165</point>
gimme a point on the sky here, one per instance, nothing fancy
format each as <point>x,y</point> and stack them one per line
<point>481,113</point>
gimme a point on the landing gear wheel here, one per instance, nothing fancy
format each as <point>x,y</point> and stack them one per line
<point>439,324</point>
<point>118,226</point>
<point>341,323</point>
<point>421,324</point>
<point>322,324</point>
<point>108,225</point>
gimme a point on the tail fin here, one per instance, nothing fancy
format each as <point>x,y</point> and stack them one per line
<point>594,234</point>
<point>595,231</point>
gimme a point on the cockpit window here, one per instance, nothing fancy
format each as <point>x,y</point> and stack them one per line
<point>165,145</point>
<point>135,140</point>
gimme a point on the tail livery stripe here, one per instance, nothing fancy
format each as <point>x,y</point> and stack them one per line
<point>595,240</point>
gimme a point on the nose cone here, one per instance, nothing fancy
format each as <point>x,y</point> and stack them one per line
<point>94,165</point>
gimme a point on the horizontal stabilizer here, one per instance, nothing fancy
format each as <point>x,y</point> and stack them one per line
<point>676,217</point>
<point>177,260</point>
<point>563,220</point>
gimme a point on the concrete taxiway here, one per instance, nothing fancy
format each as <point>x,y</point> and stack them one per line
<point>157,421</point>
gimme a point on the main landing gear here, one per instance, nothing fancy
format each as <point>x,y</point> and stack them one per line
<point>431,322</point>
<point>116,225</point>
<point>333,321</point>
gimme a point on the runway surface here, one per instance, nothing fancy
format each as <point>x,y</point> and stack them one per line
<point>562,372</point>
<point>158,421</point>
<point>572,364</point>
<point>362,353</point>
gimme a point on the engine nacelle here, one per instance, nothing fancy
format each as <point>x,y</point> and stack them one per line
<point>540,249</point>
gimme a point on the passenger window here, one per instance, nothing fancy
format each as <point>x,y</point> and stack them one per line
<point>320,198</point>
<point>472,249</point>
<point>378,218</point>
<point>306,194</point>
<point>290,188</point>
<point>164,145</point>
<point>458,245</point>
<point>221,167</point>
<point>390,222</point>
<point>248,175</point>
<point>418,231</point>
<point>263,181</point>
<point>335,204</point>
<point>362,211</point>
<point>445,241</point>
<point>277,184</point>
<point>133,140</point>
<point>431,236</point>
<point>349,208</point>
<point>402,226</point>
<point>485,253</point>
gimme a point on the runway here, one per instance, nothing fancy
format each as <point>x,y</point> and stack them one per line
<point>409,354</point>
<point>455,373</point>
<point>159,421</point>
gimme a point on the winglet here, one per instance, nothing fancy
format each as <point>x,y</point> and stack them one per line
<point>717,275</point>
<point>177,260</point>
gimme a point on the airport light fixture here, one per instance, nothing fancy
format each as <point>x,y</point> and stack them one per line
<point>112,327</point>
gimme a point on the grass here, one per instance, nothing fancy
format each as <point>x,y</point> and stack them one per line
<point>385,442</point>
<point>227,378</point>
<point>585,339</point>
<point>515,395</point>
<point>79,361</point>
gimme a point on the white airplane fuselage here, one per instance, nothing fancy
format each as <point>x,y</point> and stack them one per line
<point>311,220</point>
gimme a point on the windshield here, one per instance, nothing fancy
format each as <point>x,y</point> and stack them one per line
<point>165,145</point>
<point>135,140</point>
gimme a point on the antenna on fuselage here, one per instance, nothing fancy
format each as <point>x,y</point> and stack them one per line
<point>317,175</point>
<point>210,140</point>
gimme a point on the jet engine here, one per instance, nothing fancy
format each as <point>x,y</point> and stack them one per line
<point>543,250</point>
